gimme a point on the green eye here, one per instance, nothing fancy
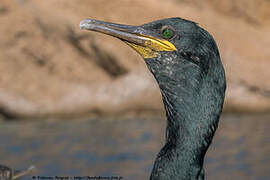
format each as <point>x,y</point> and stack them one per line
<point>167,33</point>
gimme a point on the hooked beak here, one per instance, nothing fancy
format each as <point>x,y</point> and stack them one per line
<point>135,36</point>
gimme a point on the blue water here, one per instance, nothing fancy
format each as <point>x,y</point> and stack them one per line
<point>127,148</point>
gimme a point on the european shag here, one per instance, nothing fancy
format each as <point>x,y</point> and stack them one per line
<point>185,61</point>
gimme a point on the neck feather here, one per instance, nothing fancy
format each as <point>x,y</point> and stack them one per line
<point>191,124</point>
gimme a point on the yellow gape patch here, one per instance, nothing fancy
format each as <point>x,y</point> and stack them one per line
<point>151,47</point>
<point>145,52</point>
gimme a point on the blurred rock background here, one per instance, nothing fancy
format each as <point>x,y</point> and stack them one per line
<point>51,68</point>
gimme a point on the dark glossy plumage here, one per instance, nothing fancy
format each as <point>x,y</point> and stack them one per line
<point>192,82</point>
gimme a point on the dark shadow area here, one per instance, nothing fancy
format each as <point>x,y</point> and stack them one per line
<point>103,59</point>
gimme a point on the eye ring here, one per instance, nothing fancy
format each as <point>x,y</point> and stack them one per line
<point>167,32</point>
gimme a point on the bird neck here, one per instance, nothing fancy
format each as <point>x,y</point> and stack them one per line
<point>192,118</point>
<point>191,121</point>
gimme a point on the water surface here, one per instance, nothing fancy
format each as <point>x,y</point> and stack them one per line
<point>127,148</point>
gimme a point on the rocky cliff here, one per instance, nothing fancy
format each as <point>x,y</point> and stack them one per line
<point>49,67</point>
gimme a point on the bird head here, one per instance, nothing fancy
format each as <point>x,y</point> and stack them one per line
<point>179,53</point>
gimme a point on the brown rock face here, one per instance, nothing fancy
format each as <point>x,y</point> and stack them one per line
<point>48,67</point>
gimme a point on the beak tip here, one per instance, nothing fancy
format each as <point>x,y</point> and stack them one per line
<point>86,24</point>
<point>83,24</point>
